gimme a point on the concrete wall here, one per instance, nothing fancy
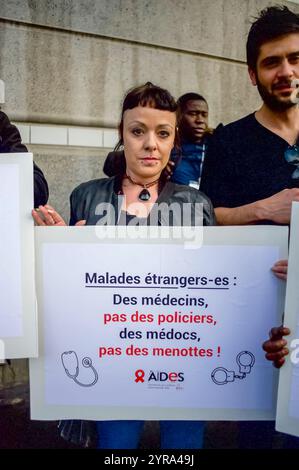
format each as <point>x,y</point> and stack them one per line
<point>69,62</point>
<point>76,67</point>
<point>66,77</point>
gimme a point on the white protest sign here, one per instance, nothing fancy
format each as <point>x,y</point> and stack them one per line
<point>147,329</point>
<point>287,417</point>
<point>18,327</point>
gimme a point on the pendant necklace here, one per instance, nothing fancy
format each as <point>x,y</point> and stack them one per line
<point>144,195</point>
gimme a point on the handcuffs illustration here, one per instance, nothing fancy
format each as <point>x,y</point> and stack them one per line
<point>70,363</point>
<point>245,361</point>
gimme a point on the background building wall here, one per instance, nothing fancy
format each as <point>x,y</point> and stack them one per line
<point>68,63</point>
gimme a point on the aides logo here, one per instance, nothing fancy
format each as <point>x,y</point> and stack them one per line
<point>159,376</point>
<point>170,377</point>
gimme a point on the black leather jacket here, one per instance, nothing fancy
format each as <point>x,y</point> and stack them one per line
<point>10,141</point>
<point>91,201</point>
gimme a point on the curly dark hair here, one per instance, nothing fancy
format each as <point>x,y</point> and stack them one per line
<point>273,22</point>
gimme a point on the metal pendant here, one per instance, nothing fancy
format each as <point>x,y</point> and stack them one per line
<point>145,195</point>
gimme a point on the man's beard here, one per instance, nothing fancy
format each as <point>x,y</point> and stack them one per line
<point>272,101</point>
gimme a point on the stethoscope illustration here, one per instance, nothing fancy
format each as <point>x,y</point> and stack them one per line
<point>70,363</point>
<point>245,361</point>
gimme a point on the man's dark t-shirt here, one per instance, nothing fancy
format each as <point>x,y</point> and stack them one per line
<point>245,163</point>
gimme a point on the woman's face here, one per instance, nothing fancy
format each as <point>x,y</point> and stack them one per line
<point>148,136</point>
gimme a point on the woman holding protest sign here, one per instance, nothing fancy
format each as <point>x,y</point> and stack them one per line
<point>140,195</point>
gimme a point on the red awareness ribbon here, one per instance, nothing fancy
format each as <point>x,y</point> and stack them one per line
<point>139,374</point>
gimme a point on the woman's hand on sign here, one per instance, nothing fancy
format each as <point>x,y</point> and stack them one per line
<point>275,347</point>
<point>47,216</point>
<point>280,269</point>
